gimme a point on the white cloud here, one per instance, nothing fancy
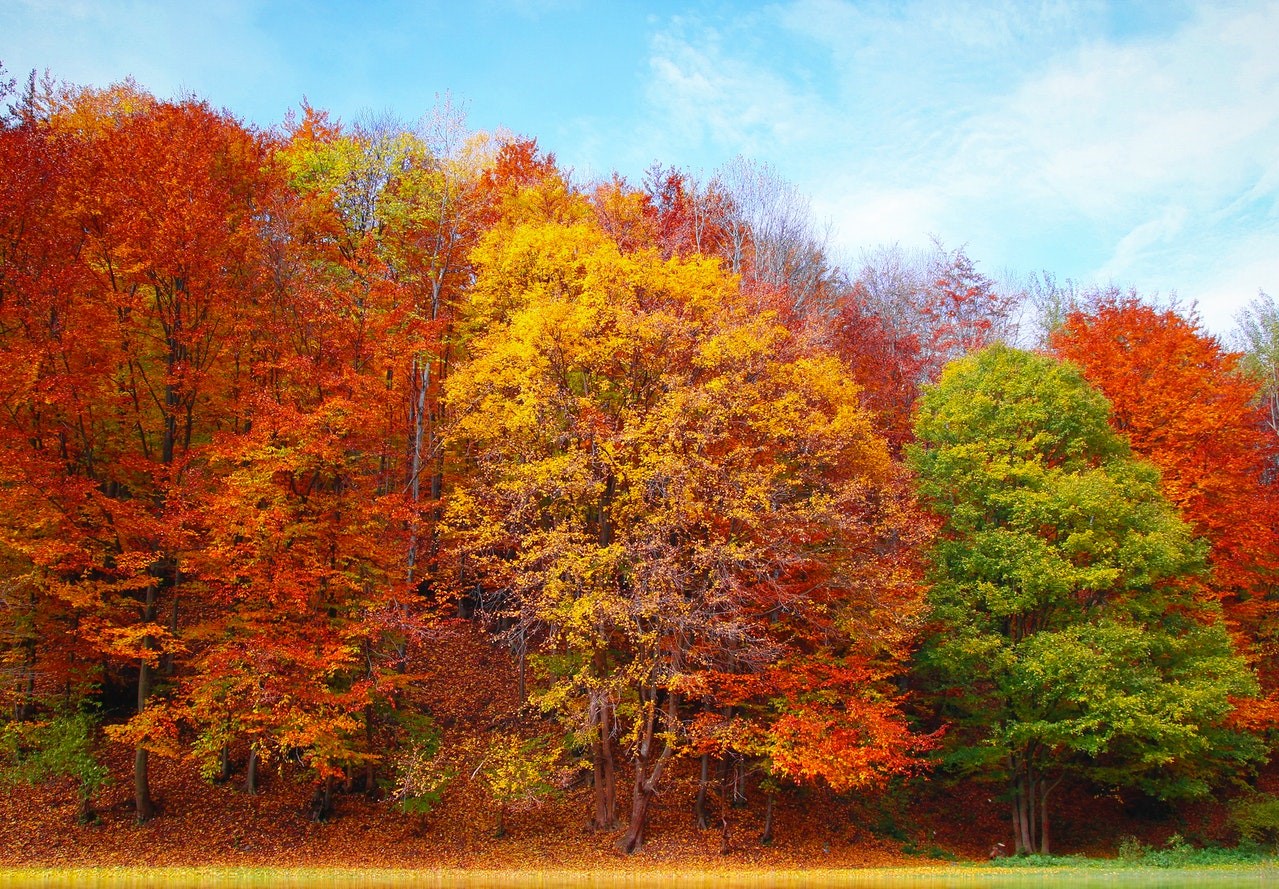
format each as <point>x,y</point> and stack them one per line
<point>1010,126</point>
<point>704,96</point>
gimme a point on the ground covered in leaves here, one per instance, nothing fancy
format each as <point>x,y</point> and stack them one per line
<point>204,824</point>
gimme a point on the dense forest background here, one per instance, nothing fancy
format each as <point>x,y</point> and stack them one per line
<point>285,412</point>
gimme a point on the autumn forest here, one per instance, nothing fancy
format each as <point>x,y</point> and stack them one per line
<point>281,411</point>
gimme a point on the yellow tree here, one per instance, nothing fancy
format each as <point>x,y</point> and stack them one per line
<point>663,484</point>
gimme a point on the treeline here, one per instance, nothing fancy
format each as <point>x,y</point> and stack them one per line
<point>278,405</point>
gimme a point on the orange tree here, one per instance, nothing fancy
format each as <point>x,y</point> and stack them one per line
<point>150,231</point>
<point>666,488</point>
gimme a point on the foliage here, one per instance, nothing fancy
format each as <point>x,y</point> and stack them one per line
<point>422,771</point>
<point>1066,636</point>
<point>273,403</point>
<point>1256,817</point>
<point>58,747</point>
<point>515,772</point>
<point>1184,404</point>
<point>668,487</point>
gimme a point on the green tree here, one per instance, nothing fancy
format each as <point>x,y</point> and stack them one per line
<point>1066,637</point>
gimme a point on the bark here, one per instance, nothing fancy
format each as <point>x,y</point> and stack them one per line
<point>699,808</point>
<point>602,755</point>
<point>1023,811</point>
<point>767,836</point>
<point>24,706</point>
<point>251,773</point>
<point>739,784</point>
<point>166,659</point>
<point>143,804</point>
<point>370,767</point>
<point>523,665</point>
<point>648,768</point>
<point>1045,847</point>
<point>322,802</point>
<point>423,381</point>
<point>725,845</point>
<point>224,765</point>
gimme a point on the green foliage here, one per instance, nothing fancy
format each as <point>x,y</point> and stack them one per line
<point>1132,853</point>
<point>422,772</point>
<point>1257,818</point>
<point>1067,634</point>
<point>60,747</point>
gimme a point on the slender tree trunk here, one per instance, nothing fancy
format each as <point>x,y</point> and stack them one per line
<point>1045,847</point>
<point>24,706</point>
<point>167,661</point>
<point>725,844</point>
<point>143,804</point>
<point>422,378</point>
<point>769,801</point>
<point>1032,809</point>
<point>605,817</point>
<point>523,665</point>
<point>370,767</point>
<point>1023,813</point>
<point>699,808</point>
<point>739,784</point>
<point>322,802</point>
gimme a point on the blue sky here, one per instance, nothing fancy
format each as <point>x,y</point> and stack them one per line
<point>1130,143</point>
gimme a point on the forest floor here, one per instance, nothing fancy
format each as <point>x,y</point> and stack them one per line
<point>203,825</point>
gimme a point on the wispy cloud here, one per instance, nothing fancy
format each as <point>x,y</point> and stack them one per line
<point>1043,135</point>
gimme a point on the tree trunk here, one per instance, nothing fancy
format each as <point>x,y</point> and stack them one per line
<point>1045,847</point>
<point>142,802</point>
<point>251,773</point>
<point>224,765</point>
<point>422,380</point>
<point>322,802</point>
<point>24,706</point>
<point>725,845</point>
<point>1032,809</point>
<point>699,808</point>
<point>648,769</point>
<point>523,664</point>
<point>739,784</point>
<point>167,659</point>
<point>1022,813</point>
<point>370,767</point>
<point>605,817</point>
<point>769,800</point>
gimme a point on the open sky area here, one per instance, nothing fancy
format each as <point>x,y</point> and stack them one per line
<point>1130,143</point>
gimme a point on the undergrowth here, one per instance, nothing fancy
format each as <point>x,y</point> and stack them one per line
<point>1175,853</point>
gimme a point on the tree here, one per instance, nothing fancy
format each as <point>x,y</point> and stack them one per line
<point>149,233</point>
<point>664,482</point>
<point>902,317</point>
<point>1066,633</point>
<point>1185,405</point>
<point>1257,338</point>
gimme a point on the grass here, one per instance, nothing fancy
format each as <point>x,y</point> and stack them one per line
<point>1041,872</point>
<point>1175,854</point>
